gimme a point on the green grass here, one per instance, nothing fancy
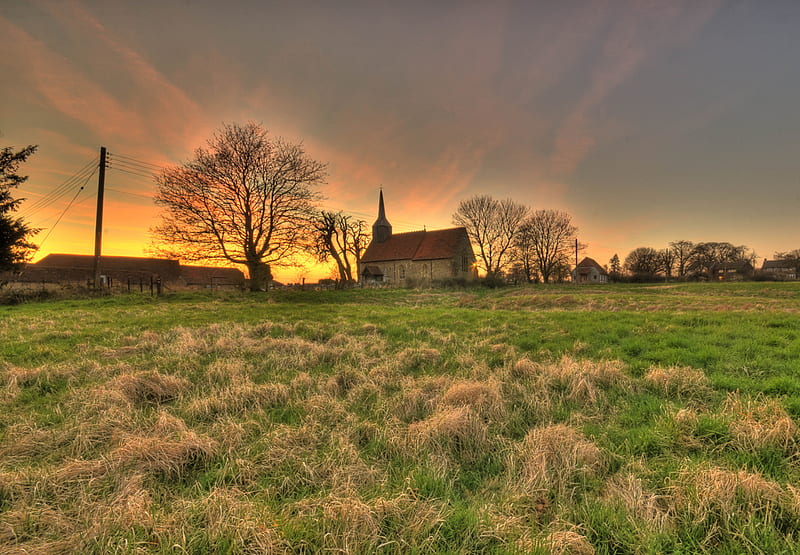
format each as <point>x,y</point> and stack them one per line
<point>397,421</point>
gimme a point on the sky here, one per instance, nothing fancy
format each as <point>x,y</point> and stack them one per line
<point>647,121</point>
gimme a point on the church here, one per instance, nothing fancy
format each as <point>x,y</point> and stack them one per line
<point>417,257</point>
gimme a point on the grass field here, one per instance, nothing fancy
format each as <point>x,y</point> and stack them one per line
<point>623,419</point>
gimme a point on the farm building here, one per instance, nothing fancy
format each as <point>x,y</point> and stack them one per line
<point>417,256</point>
<point>780,270</point>
<point>589,271</point>
<point>732,271</point>
<point>120,270</point>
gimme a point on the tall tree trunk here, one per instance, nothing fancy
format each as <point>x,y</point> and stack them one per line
<point>260,275</point>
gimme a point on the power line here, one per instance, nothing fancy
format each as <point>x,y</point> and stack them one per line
<point>131,172</point>
<point>133,160</point>
<point>60,191</point>
<point>128,193</point>
<point>78,192</point>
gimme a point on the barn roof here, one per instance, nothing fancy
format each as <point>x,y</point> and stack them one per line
<point>587,263</point>
<point>417,245</point>
<point>778,265</point>
<point>165,268</point>
<point>207,274</point>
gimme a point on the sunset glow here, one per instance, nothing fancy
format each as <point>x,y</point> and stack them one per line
<point>647,122</point>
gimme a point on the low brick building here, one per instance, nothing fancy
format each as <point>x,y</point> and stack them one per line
<point>121,270</point>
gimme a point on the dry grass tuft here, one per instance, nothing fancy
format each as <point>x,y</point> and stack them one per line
<point>150,387</point>
<point>167,424</point>
<point>640,503</point>
<point>758,423</point>
<point>170,457</point>
<point>484,397</point>
<point>344,524</point>
<point>369,329</point>
<point>681,381</point>
<point>414,403</point>
<point>130,507</point>
<point>236,524</point>
<point>25,441</point>
<point>46,521</point>
<point>413,359</point>
<point>551,458</point>
<point>567,542</point>
<point>458,432</point>
<point>524,369</point>
<point>343,381</point>
<point>582,380</point>
<point>709,491</point>
<point>416,520</point>
<point>224,371</point>
<point>302,384</point>
<point>239,399</point>
<point>80,470</point>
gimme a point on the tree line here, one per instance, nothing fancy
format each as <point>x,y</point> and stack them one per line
<point>682,260</point>
<point>251,199</point>
<point>516,242</point>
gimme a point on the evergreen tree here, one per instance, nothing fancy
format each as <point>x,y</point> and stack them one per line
<point>15,246</point>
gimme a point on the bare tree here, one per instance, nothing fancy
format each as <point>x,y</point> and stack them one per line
<point>643,262</point>
<point>340,238</point>
<point>492,226</point>
<point>550,237</point>
<point>705,256</point>
<point>682,251</point>
<point>792,259</point>
<point>667,259</point>
<point>247,198</point>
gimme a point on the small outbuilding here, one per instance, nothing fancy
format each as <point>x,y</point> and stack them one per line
<point>589,271</point>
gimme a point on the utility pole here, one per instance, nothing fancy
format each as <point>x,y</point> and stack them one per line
<point>576,252</point>
<point>98,226</point>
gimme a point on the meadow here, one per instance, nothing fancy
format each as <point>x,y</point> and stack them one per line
<point>541,419</point>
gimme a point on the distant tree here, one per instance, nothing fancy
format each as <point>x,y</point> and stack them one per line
<point>792,258</point>
<point>667,260</point>
<point>524,256</point>
<point>643,262</point>
<point>492,226</point>
<point>247,198</point>
<point>15,234</point>
<point>340,238</point>
<point>615,265</point>
<point>682,251</point>
<point>547,238</point>
<point>705,256</point>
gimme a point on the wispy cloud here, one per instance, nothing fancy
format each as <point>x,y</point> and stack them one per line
<point>639,30</point>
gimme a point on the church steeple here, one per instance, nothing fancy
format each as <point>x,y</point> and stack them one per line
<point>381,229</point>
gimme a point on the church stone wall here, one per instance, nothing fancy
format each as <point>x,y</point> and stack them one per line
<point>402,272</point>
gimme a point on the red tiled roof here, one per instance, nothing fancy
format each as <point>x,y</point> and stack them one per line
<point>417,245</point>
<point>587,263</point>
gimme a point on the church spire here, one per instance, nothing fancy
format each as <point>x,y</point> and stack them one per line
<point>381,229</point>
